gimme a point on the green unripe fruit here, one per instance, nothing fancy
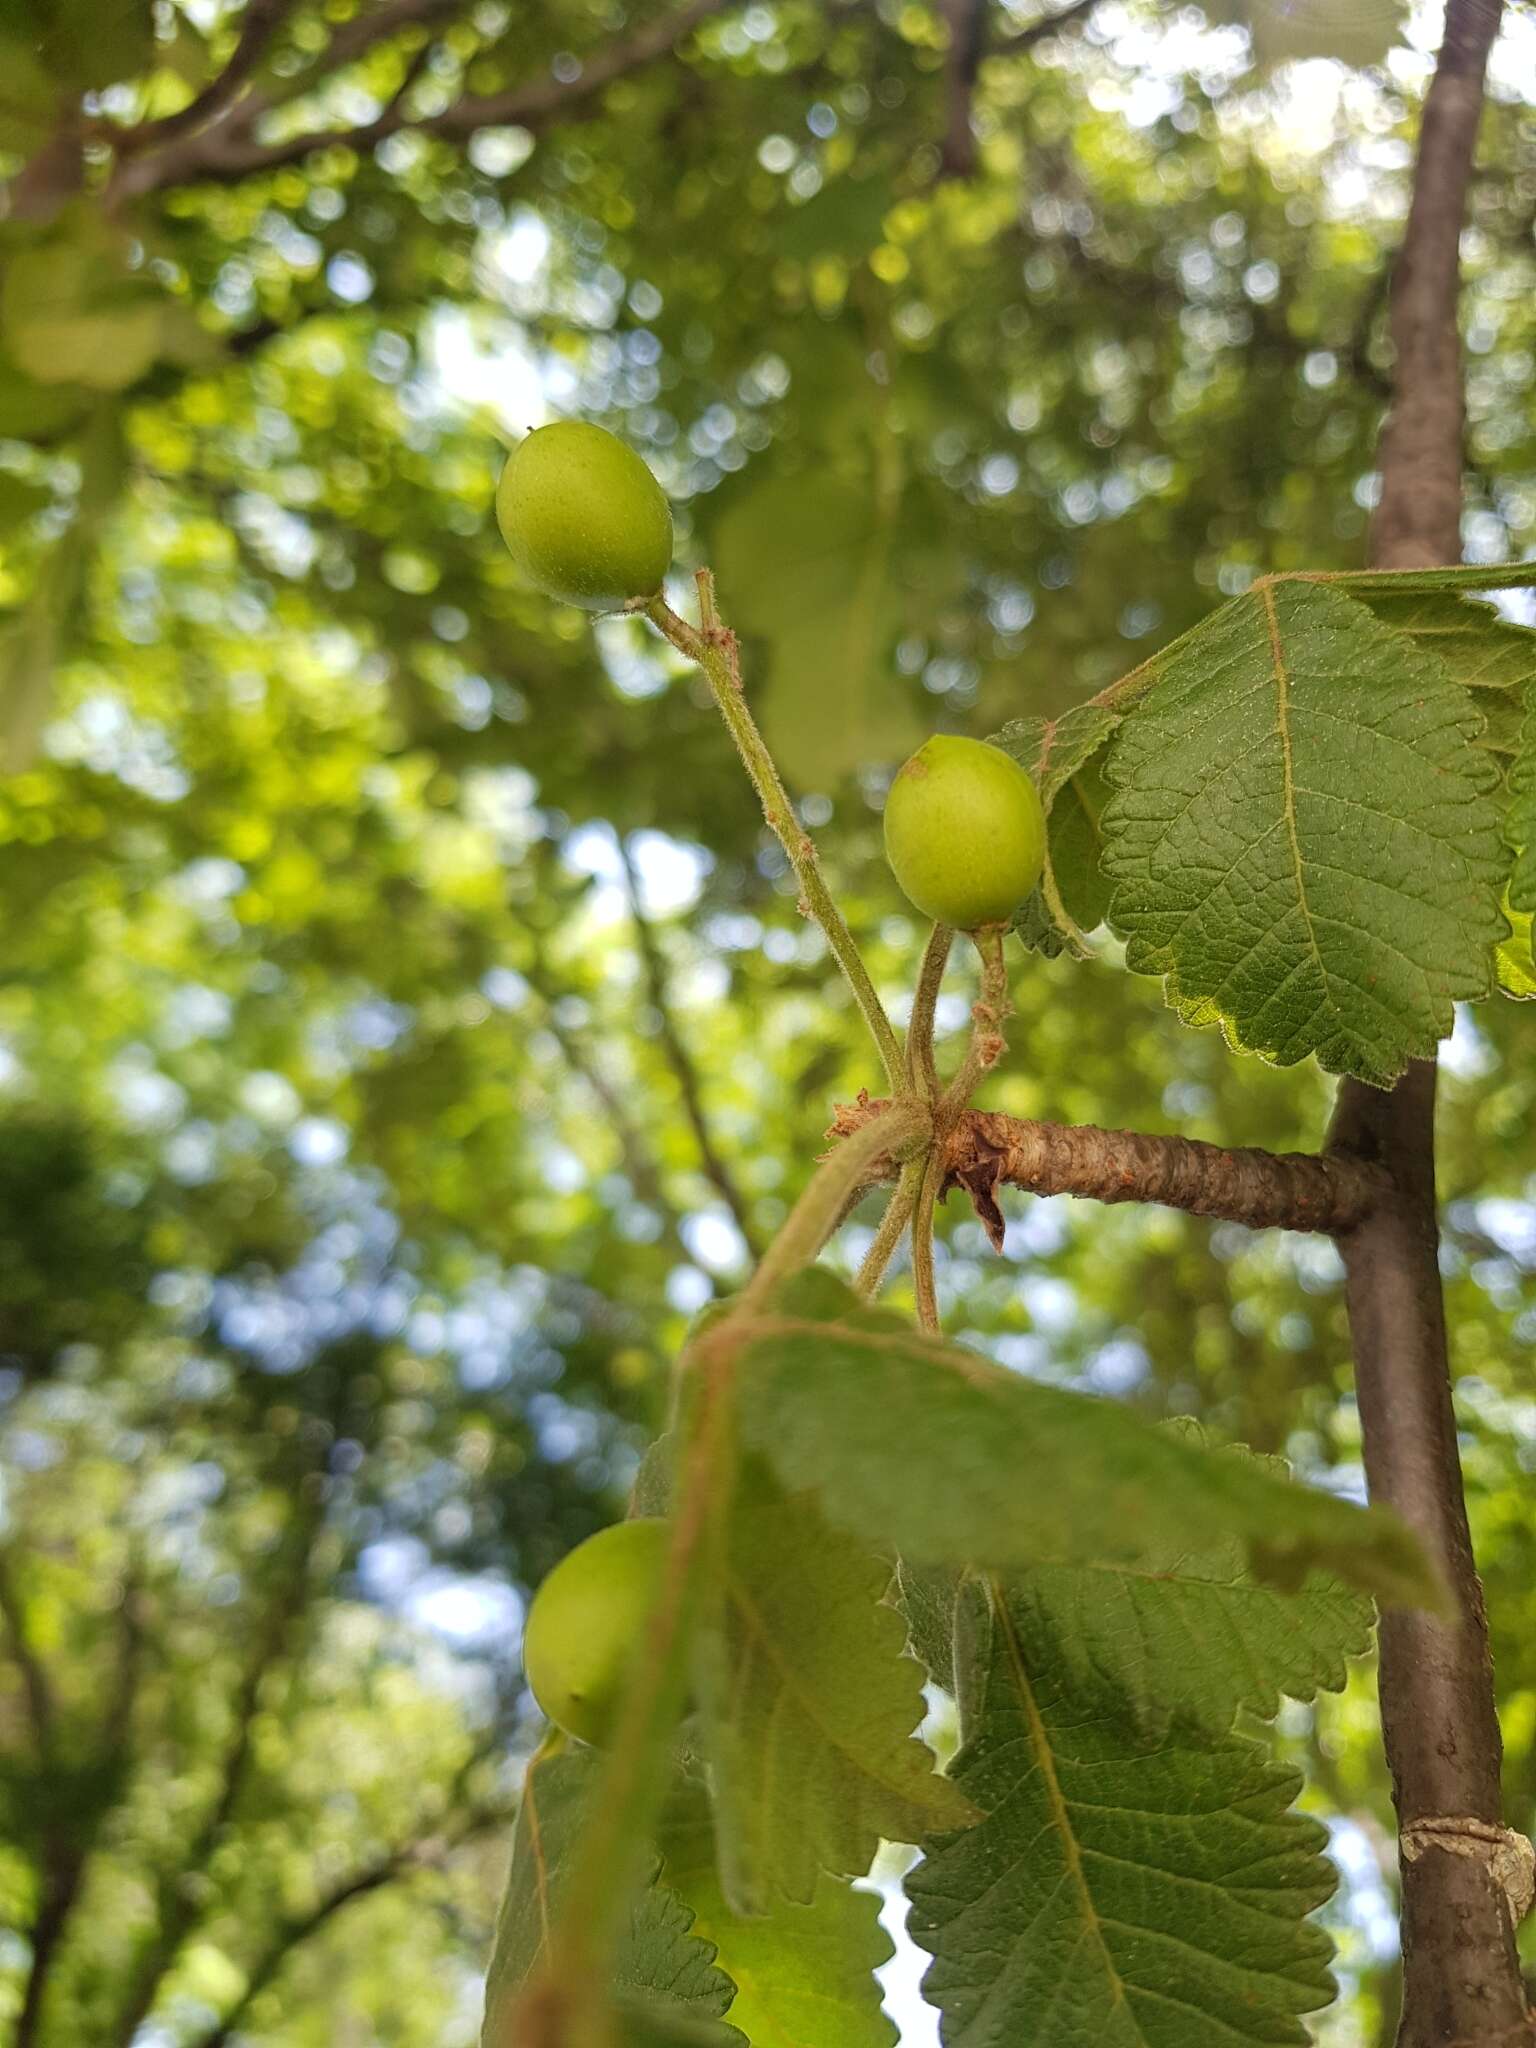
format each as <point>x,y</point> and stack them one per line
<point>585,1623</point>
<point>585,519</point>
<point>964,832</point>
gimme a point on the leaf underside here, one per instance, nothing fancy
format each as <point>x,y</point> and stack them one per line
<point>1014,1473</point>
<point>808,1703</point>
<point>1065,757</point>
<point>1302,838</point>
<point>1484,651</point>
<point>666,1983</point>
<point>804,1973</point>
<point>1520,821</point>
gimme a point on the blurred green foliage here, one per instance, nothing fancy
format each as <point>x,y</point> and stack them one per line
<point>350,1204</point>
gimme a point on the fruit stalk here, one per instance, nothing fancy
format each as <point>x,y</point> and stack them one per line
<point>986,1042</point>
<point>922,1075</point>
<point>898,1212</point>
<point>924,1285</point>
<point>713,649</point>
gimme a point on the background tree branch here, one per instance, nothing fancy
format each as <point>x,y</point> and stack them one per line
<point>425,1852</point>
<point>640,1165</point>
<point>680,1060</point>
<point>230,151</point>
<point>258,25</point>
<point>1461,1974</point>
<point>81,1790</point>
<point>970,41</point>
<point>178,1906</point>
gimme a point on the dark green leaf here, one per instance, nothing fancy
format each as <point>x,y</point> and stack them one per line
<point>1192,1634</point>
<point>1065,756</point>
<point>1126,1889</point>
<point>1483,650</point>
<point>1520,820</point>
<point>1302,839</point>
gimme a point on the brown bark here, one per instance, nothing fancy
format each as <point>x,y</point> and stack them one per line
<point>1461,1976</point>
<point>1263,1190</point>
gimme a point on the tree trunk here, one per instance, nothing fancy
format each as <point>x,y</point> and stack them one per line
<point>1462,1986</point>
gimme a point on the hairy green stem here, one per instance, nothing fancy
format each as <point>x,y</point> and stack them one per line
<point>922,1074</point>
<point>986,1040</point>
<point>713,649</point>
<point>898,1212</point>
<point>924,1284</point>
<point>810,1222</point>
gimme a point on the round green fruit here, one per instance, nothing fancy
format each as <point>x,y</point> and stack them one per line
<point>585,519</point>
<point>585,1622</point>
<point>964,832</point>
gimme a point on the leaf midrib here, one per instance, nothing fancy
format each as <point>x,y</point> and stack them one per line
<point>1056,1799</point>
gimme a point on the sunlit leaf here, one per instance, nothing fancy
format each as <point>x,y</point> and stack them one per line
<point>1302,834</point>
<point>802,1973</point>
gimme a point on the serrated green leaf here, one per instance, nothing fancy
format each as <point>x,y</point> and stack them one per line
<point>927,1595</point>
<point>807,1703</point>
<point>1484,651</point>
<point>1302,835</point>
<point>1077,846</point>
<point>1481,648</point>
<point>803,1974</point>
<point>644,2025</point>
<point>1126,1889</point>
<point>928,1447</point>
<point>1368,584</point>
<point>1520,818</point>
<point>1054,750</point>
<point>1501,720</point>
<point>1036,929</point>
<point>665,1977</point>
<point>1513,959</point>
<point>1064,755</point>
<point>1192,1635</point>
